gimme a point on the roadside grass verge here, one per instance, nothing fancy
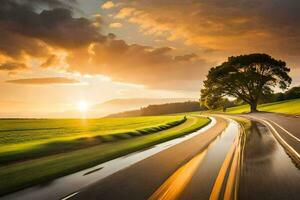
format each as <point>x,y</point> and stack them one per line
<point>40,143</point>
<point>244,122</point>
<point>24,174</point>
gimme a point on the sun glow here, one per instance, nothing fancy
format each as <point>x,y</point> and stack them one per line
<point>83,106</point>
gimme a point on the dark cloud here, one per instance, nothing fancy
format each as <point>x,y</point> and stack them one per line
<point>12,66</point>
<point>45,2</point>
<point>56,27</point>
<point>44,81</point>
<point>15,45</point>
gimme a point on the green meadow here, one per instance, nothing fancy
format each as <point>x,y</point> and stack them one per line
<point>37,151</point>
<point>285,107</point>
<point>23,139</point>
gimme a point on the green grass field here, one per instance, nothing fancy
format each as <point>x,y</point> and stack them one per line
<point>25,173</point>
<point>26,139</point>
<point>285,107</point>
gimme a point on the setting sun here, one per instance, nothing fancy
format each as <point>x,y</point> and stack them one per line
<point>82,106</point>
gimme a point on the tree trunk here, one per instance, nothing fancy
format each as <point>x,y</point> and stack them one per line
<point>253,107</point>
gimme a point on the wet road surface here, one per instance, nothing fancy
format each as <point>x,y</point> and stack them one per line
<point>267,171</point>
<point>143,179</point>
<point>288,128</point>
<point>204,179</point>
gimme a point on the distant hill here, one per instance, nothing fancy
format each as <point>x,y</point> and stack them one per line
<point>121,105</point>
<point>161,109</point>
<point>116,106</point>
<point>139,102</point>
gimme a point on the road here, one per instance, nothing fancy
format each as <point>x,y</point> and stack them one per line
<point>287,128</point>
<point>267,171</point>
<point>218,163</point>
<point>258,169</point>
<point>171,170</point>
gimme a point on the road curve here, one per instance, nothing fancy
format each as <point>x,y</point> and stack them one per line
<point>267,170</point>
<point>141,180</point>
<point>64,186</point>
<point>285,128</point>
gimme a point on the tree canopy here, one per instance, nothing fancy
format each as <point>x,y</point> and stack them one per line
<point>247,77</point>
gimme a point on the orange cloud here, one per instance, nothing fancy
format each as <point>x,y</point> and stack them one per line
<point>124,12</point>
<point>115,25</point>
<point>152,67</point>
<point>51,61</point>
<point>44,81</point>
<point>218,28</point>
<point>230,26</point>
<point>12,66</point>
<point>108,5</point>
<point>41,35</point>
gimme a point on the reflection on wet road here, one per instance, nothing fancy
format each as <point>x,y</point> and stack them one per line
<point>267,171</point>
<point>264,171</point>
<point>202,170</point>
<point>167,175</point>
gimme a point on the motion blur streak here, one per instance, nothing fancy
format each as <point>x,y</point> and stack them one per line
<point>173,187</point>
<point>221,176</point>
<point>232,177</point>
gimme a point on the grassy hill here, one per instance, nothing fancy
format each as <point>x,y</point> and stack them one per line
<point>286,107</point>
<point>122,105</point>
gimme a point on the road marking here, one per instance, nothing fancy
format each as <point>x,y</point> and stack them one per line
<point>215,194</point>
<point>289,133</point>
<point>69,196</point>
<point>175,184</point>
<point>232,176</point>
<point>280,138</point>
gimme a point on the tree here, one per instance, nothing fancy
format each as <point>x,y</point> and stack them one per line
<point>215,102</point>
<point>247,77</point>
<point>293,93</point>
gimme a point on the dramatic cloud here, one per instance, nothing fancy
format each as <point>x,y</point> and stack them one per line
<point>44,81</point>
<point>56,27</point>
<point>42,35</point>
<point>47,34</point>
<point>152,67</point>
<point>230,26</point>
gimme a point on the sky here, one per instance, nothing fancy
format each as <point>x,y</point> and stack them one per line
<point>56,54</point>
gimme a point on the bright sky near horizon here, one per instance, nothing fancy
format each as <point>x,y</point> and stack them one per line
<point>55,55</point>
